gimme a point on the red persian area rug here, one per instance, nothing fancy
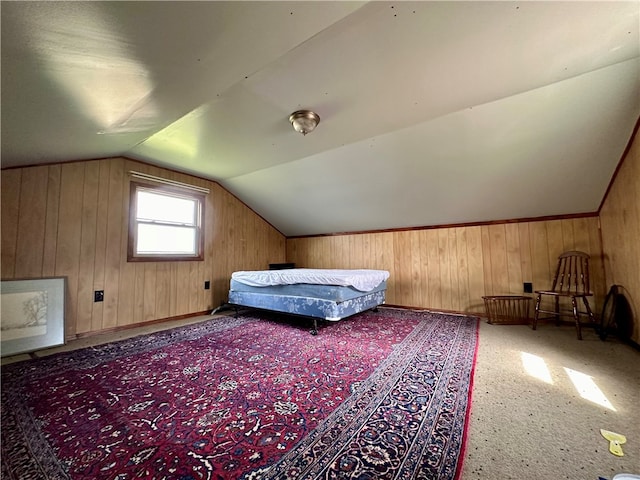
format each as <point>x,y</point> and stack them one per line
<point>381,395</point>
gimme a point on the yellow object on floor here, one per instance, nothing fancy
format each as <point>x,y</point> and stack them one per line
<point>615,441</point>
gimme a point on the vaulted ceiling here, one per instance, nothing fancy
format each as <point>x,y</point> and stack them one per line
<point>431,113</point>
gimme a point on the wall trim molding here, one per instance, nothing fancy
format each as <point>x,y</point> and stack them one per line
<point>620,162</point>
<point>121,328</point>
<point>456,225</point>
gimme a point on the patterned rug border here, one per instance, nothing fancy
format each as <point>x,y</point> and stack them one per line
<point>467,417</point>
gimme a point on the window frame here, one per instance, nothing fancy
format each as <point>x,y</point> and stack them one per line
<point>200,198</point>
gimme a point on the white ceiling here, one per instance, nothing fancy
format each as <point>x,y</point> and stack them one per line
<point>431,113</point>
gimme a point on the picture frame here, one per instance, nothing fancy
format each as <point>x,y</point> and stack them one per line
<point>32,314</point>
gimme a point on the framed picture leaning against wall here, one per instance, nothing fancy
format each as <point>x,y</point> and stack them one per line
<point>32,314</point>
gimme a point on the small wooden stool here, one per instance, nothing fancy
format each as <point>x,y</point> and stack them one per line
<point>507,309</point>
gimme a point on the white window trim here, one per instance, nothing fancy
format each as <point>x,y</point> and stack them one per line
<point>132,256</point>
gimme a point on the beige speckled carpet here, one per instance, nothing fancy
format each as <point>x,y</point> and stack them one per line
<point>530,421</point>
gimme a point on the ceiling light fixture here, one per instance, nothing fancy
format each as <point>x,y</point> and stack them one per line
<point>304,121</point>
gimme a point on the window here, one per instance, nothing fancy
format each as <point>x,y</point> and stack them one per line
<point>165,223</point>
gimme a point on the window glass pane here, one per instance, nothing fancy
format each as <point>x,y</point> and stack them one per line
<point>164,239</point>
<point>164,208</point>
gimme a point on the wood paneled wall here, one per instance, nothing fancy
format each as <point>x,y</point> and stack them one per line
<point>620,220</point>
<point>452,268</point>
<point>71,220</point>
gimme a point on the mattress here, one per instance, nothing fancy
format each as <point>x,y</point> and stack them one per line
<point>364,280</point>
<point>317,293</point>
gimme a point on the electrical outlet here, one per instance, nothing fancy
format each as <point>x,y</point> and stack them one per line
<point>207,285</point>
<point>528,287</point>
<point>98,296</point>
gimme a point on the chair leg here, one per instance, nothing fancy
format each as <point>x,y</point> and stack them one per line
<point>537,312</point>
<point>592,319</point>
<point>557,311</point>
<point>574,304</point>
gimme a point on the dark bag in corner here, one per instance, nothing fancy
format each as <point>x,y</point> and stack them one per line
<point>617,316</point>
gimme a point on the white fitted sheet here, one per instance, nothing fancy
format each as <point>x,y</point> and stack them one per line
<point>363,280</point>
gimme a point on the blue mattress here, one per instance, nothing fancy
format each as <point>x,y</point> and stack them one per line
<point>329,302</point>
<point>336,293</point>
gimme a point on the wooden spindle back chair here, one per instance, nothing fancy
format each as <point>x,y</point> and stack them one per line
<point>571,280</point>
